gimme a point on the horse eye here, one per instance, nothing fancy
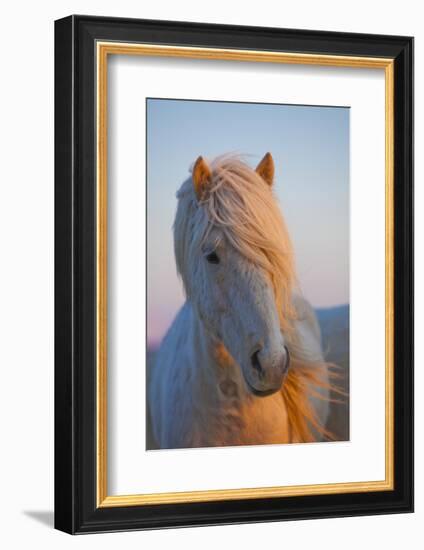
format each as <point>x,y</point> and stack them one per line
<point>212,258</point>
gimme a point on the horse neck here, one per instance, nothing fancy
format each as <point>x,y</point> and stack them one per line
<point>211,361</point>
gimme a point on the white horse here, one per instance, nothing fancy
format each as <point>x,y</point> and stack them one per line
<point>242,362</point>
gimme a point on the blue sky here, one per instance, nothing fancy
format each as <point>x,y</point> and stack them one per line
<point>310,146</point>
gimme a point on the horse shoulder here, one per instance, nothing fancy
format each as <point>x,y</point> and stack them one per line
<point>309,349</point>
<point>307,330</point>
<point>169,388</point>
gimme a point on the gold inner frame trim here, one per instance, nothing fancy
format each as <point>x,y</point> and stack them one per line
<point>103,50</point>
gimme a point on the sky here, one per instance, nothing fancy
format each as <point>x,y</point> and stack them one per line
<point>310,147</point>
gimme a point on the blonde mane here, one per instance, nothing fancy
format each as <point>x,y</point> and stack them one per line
<point>245,209</point>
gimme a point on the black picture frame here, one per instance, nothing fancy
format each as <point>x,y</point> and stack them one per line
<point>76,508</point>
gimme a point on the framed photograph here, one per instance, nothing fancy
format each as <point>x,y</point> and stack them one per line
<point>234,274</point>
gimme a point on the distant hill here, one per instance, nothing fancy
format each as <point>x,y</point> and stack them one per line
<point>334,324</point>
<point>336,312</point>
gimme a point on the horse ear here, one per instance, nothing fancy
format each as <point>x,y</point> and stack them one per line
<point>201,177</point>
<point>266,169</point>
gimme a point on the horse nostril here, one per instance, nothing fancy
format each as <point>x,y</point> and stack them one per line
<point>256,364</point>
<point>287,365</point>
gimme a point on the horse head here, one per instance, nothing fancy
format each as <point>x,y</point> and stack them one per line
<point>234,255</point>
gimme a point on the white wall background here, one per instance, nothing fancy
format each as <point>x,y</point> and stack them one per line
<point>26,274</point>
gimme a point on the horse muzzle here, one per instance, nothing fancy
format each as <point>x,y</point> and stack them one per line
<point>265,375</point>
